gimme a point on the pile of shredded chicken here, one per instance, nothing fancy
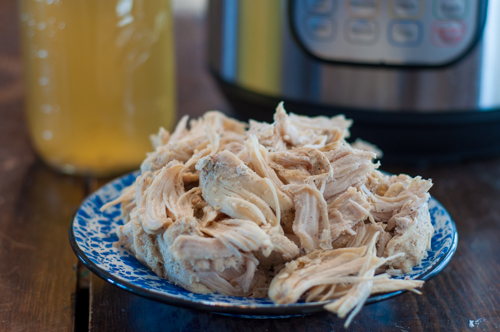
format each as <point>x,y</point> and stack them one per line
<point>287,210</point>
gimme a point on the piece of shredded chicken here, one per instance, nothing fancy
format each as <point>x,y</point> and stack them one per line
<point>288,210</point>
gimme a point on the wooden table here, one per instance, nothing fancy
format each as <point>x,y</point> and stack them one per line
<point>44,288</point>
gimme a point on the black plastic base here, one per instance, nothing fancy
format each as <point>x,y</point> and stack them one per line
<point>405,138</point>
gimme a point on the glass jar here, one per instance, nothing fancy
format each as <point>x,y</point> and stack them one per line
<point>99,80</point>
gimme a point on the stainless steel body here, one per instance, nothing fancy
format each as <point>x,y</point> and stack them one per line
<point>252,45</point>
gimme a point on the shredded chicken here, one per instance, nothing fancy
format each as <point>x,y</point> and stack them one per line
<point>288,210</point>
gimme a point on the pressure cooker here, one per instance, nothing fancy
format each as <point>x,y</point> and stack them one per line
<point>420,78</point>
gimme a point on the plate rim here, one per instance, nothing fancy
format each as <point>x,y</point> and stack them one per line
<point>299,308</point>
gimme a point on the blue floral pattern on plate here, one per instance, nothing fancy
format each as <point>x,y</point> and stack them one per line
<point>92,234</point>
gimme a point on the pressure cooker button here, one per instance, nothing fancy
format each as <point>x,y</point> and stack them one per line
<point>449,8</point>
<point>320,6</point>
<point>407,8</point>
<point>404,33</point>
<point>361,31</point>
<point>320,27</point>
<point>363,8</point>
<point>447,33</point>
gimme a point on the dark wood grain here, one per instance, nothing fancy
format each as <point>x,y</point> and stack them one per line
<point>133,313</point>
<point>37,266</point>
<point>37,277</point>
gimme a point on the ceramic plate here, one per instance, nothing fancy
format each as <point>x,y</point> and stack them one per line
<point>92,234</point>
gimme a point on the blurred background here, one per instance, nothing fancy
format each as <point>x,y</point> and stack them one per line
<point>417,77</point>
<point>191,79</point>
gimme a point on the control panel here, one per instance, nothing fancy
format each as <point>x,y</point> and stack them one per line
<point>390,32</point>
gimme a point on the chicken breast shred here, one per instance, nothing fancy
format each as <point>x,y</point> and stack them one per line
<point>287,209</point>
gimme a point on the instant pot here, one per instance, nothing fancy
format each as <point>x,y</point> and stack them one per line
<point>420,78</point>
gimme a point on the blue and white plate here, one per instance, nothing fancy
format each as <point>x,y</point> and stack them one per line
<point>92,234</point>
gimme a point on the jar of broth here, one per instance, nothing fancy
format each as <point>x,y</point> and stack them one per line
<point>99,80</point>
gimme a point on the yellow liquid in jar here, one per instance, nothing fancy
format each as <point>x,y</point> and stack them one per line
<point>99,80</point>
